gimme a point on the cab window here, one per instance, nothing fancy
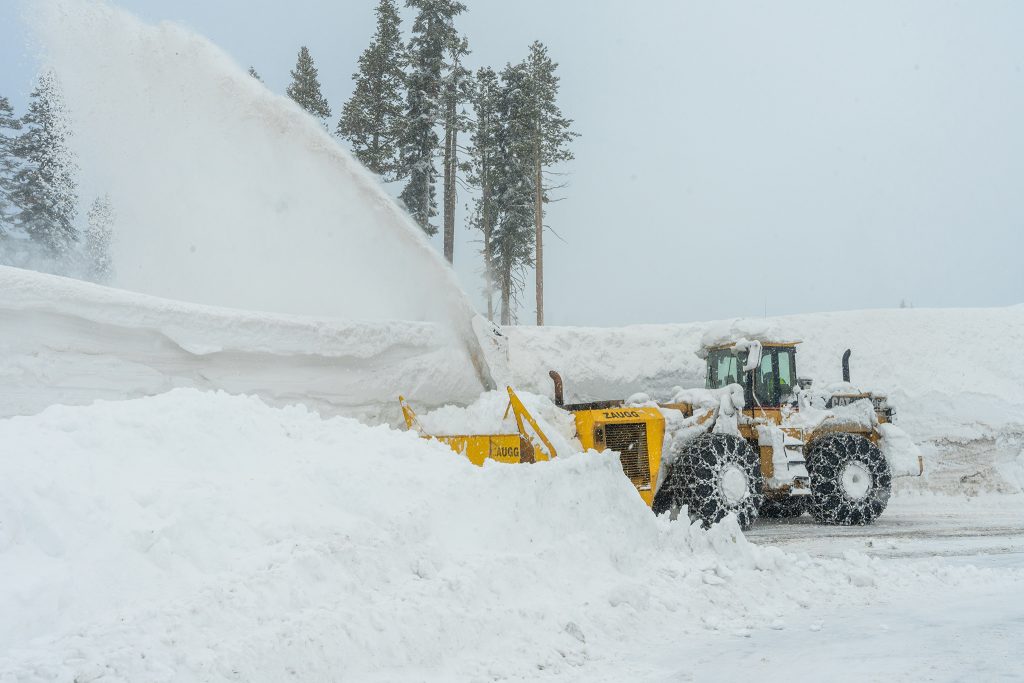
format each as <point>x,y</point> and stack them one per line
<point>723,369</point>
<point>787,374</point>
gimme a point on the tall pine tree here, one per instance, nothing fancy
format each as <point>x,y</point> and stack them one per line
<point>550,136</point>
<point>512,235</point>
<point>484,158</point>
<point>371,120</point>
<point>305,88</point>
<point>433,34</point>
<point>44,184</point>
<point>8,164</point>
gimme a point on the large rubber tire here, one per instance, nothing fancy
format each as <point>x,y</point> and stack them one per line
<point>850,480</point>
<point>714,475</point>
<point>785,507</point>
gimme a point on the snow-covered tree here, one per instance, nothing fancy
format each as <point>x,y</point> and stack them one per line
<point>433,35</point>
<point>98,235</point>
<point>255,74</point>
<point>9,124</point>
<point>550,137</point>
<point>44,189</point>
<point>371,120</point>
<point>484,157</point>
<point>512,235</point>
<point>305,88</point>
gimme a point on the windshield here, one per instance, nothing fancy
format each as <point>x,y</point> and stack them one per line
<point>724,368</point>
<point>777,362</point>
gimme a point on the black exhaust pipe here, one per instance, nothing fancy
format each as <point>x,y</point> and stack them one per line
<point>846,366</point>
<point>557,379</point>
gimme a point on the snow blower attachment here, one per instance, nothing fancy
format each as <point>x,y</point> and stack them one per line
<point>755,442</point>
<point>512,448</point>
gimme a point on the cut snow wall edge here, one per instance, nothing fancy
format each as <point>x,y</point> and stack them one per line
<point>65,341</point>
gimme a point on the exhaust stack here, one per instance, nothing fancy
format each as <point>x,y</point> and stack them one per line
<point>846,366</point>
<point>559,396</point>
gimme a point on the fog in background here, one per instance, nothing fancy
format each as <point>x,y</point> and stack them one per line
<point>735,158</point>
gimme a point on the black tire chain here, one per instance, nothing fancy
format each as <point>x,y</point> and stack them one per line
<point>827,457</point>
<point>694,479</point>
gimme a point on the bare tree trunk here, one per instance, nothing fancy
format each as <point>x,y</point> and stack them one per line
<point>538,224</point>
<point>449,183</point>
<point>485,207</point>
<point>376,154</point>
<point>506,294</point>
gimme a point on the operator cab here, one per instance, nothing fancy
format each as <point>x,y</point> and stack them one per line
<point>770,383</point>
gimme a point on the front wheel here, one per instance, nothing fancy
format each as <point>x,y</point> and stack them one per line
<point>850,479</point>
<point>714,475</point>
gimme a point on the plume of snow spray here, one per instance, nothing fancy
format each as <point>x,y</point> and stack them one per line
<point>226,193</point>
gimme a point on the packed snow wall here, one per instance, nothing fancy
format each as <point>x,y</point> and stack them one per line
<point>951,373</point>
<point>70,342</point>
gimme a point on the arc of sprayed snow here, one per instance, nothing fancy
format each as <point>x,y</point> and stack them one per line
<point>53,18</point>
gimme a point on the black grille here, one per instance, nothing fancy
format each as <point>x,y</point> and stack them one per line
<point>630,440</point>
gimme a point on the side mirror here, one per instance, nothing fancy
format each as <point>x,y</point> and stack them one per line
<point>804,382</point>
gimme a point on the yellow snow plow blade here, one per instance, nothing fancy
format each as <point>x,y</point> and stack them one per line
<point>521,447</point>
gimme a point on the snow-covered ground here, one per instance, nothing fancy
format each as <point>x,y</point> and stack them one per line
<point>198,535</point>
<point>971,633</point>
<point>217,536</point>
<point>184,494</point>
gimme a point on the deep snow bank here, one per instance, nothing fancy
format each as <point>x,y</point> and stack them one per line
<point>951,373</point>
<point>206,536</point>
<point>64,341</point>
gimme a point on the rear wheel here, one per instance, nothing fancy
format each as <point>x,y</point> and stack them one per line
<point>714,475</point>
<point>850,480</point>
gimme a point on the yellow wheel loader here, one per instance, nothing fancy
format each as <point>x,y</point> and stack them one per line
<point>754,442</point>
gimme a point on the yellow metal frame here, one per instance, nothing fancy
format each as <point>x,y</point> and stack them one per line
<point>510,448</point>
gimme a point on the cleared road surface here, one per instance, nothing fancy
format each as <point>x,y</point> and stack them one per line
<point>973,632</point>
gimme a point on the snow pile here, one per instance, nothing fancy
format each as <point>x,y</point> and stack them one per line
<point>204,536</point>
<point>63,341</point>
<point>225,193</point>
<point>944,370</point>
<point>1013,470</point>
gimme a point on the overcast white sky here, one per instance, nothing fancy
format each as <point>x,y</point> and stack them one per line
<point>736,157</point>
